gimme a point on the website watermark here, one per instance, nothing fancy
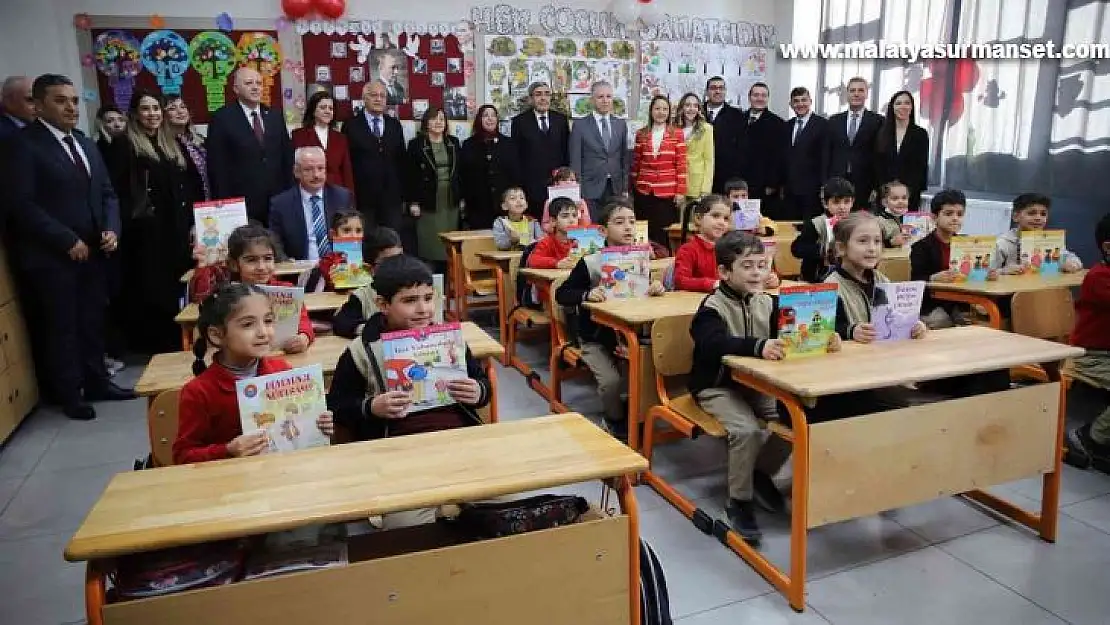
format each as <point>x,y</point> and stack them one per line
<point>913,52</point>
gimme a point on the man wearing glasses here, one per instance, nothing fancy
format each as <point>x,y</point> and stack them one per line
<point>18,105</point>
<point>728,123</point>
<point>540,135</point>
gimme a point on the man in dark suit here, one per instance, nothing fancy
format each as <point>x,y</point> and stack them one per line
<point>17,106</point>
<point>377,144</point>
<point>301,217</point>
<point>250,154</point>
<point>65,220</point>
<point>806,159</point>
<point>852,136</point>
<point>727,124</point>
<point>760,145</point>
<point>540,135</point>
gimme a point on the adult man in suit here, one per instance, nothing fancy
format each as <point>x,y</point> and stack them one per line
<point>389,72</point>
<point>250,154</point>
<point>377,144</point>
<point>728,123</point>
<point>599,151</point>
<point>806,159</point>
<point>852,136</point>
<point>17,106</point>
<point>540,136</point>
<point>760,145</point>
<point>66,221</point>
<point>300,217</point>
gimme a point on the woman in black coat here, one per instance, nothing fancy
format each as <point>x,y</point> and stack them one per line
<point>902,149</point>
<point>432,187</point>
<point>489,166</point>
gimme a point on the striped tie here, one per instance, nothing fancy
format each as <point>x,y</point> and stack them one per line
<point>319,228</point>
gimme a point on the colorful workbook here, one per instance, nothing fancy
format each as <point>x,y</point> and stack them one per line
<point>896,308</point>
<point>1042,251</point>
<point>572,192</point>
<point>588,240</point>
<point>807,318</point>
<point>422,361</point>
<point>626,271</point>
<point>523,229</point>
<point>286,302</point>
<point>214,222</point>
<point>641,236</point>
<point>285,406</point>
<point>916,226</point>
<point>351,273</point>
<point>970,256</point>
<point>746,215</point>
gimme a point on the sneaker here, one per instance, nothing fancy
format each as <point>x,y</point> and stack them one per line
<point>767,495</point>
<point>1075,449</point>
<point>1098,454</point>
<point>741,516</point>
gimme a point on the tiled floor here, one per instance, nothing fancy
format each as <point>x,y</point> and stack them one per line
<point>943,562</point>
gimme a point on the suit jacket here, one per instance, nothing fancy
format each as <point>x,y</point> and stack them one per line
<point>700,162</point>
<point>727,130</point>
<point>806,163</point>
<point>908,163</point>
<point>761,152</point>
<point>855,160</point>
<point>52,204</point>
<point>287,217</point>
<point>486,169</point>
<point>594,162</point>
<point>422,180</point>
<point>7,126</point>
<point>379,165</point>
<point>338,156</point>
<point>240,166</point>
<point>661,174</point>
<point>539,154</point>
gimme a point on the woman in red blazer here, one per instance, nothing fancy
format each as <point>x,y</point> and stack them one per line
<point>658,174</point>
<point>318,130</point>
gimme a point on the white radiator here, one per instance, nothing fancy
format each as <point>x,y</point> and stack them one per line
<point>983,217</point>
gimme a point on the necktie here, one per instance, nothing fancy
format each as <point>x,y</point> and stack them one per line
<point>606,135</point>
<point>797,130</point>
<point>319,228</point>
<point>256,124</point>
<point>543,123</point>
<point>377,123</point>
<point>76,156</point>
<point>712,115</point>
<point>853,126</point>
<point>752,119</point>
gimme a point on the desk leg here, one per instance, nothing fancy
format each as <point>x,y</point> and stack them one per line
<point>993,313</point>
<point>95,597</point>
<point>453,277</point>
<point>491,373</point>
<point>627,499</point>
<point>187,336</point>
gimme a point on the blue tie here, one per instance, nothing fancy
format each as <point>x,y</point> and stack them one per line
<point>377,127</point>
<point>319,228</point>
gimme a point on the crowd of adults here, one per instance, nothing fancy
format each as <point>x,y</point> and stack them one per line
<point>99,228</point>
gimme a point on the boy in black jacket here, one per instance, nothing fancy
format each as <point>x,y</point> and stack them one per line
<point>600,350</point>
<point>814,244</point>
<point>377,245</point>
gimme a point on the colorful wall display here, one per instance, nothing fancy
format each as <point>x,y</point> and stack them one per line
<point>675,68</point>
<point>116,53</point>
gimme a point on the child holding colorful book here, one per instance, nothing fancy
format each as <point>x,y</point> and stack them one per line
<point>695,262</point>
<point>515,229</point>
<point>344,225</point>
<point>565,177</point>
<point>894,202</point>
<point>377,245</point>
<point>736,190</point>
<point>814,244</point>
<point>1030,214</point>
<point>554,250</point>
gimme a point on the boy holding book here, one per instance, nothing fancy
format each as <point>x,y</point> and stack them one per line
<point>600,349</point>
<point>377,245</point>
<point>1030,214</point>
<point>553,251</point>
<point>814,245</point>
<point>737,191</point>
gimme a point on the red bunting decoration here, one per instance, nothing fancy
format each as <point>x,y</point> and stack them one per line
<point>331,9</point>
<point>296,9</point>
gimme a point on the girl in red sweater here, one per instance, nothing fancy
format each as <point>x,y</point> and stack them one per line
<point>695,263</point>
<point>238,322</point>
<point>251,251</point>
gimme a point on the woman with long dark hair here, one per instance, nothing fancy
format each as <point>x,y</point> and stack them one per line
<point>318,130</point>
<point>433,185</point>
<point>658,174</point>
<point>191,141</point>
<point>902,148</point>
<point>488,166</point>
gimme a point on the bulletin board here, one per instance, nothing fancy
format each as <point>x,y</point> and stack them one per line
<point>674,68</point>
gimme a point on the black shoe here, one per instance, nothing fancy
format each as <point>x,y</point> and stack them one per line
<point>1096,454</point>
<point>1075,448</point>
<point>767,495</point>
<point>110,392</point>
<point>79,412</point>
<point>741,516</point>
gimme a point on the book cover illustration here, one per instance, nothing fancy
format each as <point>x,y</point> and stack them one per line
<point>214,222</point>
<point>523,229</point>
<point>286,302</point>
<point>422,361</point>
<point>970,256</point>
<point>626,271</point>
<point>807,319</point>
<point>916,226</point>
<point>285,406</point>
<point>746,215</point>
<point>572,192</point>
<point>641,236</point>
<point>896,309</point>
<point>1041,251</point>
<point>585,241</point>
<point>351,272</point>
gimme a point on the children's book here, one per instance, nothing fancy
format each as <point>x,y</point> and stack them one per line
<point>214,222</point>
<point>807,318</point>
<point>441,299</point>
<point>916,226</point>
<point>286,302</point>
<point>970,256</point>
<point>896,308</point>
<point>422,361</point>
<point>572,192</point>
<point>641,236</point>
<point>523,229</point>
<point>746,215</point>
<point>585,241</point>
<point>285,406</point>
<point>351,273</point>
<point>1041,251</point>
<point>626,271</point>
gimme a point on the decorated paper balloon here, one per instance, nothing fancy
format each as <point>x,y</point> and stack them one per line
<point>331,9</point>
<point>281,23</point>
<point>262,53</point>
<point>296,9</point>
<point>82,21</point>
<point>166,55</point>
<point>214,56</point>
<point>225,23</point>
<point>88,60</point>
<point>157,21</point>
<point>117,57</point>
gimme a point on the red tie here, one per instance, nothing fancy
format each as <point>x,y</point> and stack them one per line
<point>256,123</point>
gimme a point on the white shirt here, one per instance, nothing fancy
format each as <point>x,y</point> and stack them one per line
<point>322,135</point>
<point>753,115</point>
<point>370,117</point>
<point>306,206</point>
<point>713,111</point>
<point>250,118</point>
<point>598,117</point>
<point>848,121</point>
<point>61,137</point>
<point>798,129</point>
<point>540,117</point>
<point>657,133</point>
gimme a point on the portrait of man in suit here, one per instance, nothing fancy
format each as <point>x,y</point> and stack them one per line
<point>390,68</point>
<point>301,217</point>
<point>599,151</point>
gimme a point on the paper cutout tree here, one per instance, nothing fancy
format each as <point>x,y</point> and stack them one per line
<point>262,53</point>
<point>166,55</point>
<point>117,57</point>
<point>215,58</point>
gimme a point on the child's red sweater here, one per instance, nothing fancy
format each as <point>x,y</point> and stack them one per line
<point>208,413</point>
<point>548,252</point>
<point>1092,310</point>
<point>205,280</point>
<point>695,266</point>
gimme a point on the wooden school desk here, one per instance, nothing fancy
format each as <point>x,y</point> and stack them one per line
<point>987,293</point>
<point>589,573</point>
<point>287,269</point>
<point>452,242</point>
<point>860,466</point>
<point>503,263</point>
<point>314,302</point>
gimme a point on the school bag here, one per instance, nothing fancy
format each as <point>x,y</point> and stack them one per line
<point>525,293</point>
<point>655,604</point>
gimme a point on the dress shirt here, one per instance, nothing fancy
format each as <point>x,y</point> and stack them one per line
<point>306,206</point>
<point>250,120</point>
<point>61,137</point>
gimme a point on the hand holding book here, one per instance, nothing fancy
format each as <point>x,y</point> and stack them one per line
<point>465,391</point>
<point>391,404</point>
